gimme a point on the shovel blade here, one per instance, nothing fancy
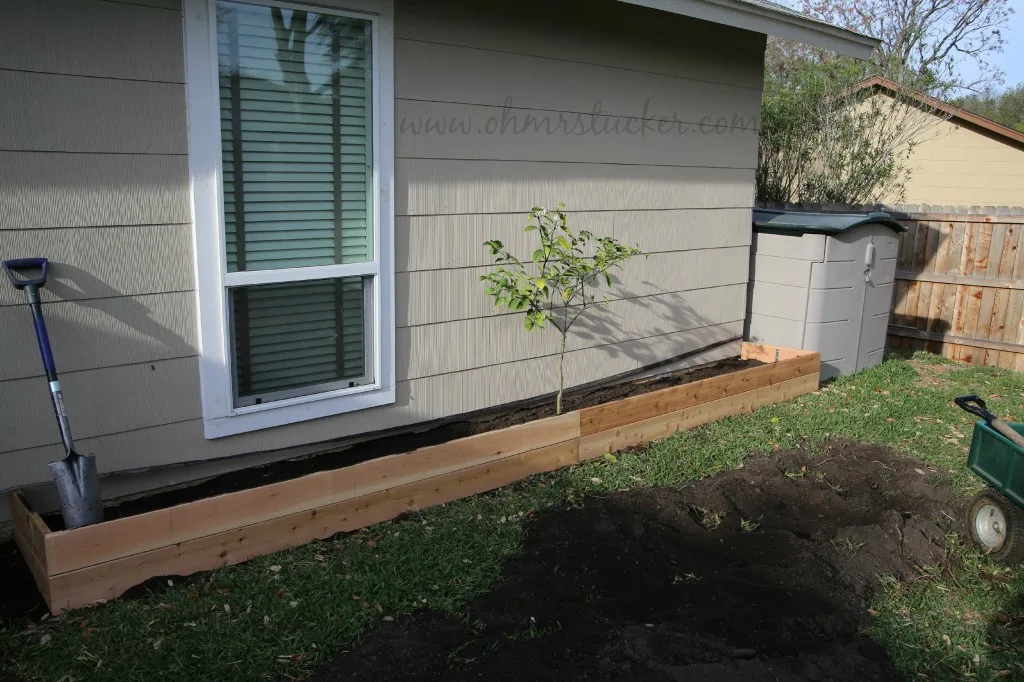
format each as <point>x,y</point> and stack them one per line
<point>78,489</point>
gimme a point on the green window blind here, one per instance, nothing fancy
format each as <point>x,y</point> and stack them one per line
<point>296,124</point>
<point>296,131</point>
<point>290,336</point>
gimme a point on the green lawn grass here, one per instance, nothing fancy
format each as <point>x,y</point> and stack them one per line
<point>283,614</point>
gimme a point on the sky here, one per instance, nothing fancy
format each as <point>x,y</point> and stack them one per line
<point>1012,58</point>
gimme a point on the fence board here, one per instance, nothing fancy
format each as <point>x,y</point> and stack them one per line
<point>960,289</point>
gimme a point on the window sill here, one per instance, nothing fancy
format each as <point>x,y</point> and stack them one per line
<point>269,415</point>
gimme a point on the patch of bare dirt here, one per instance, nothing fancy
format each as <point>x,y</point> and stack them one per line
<point>762,573</point>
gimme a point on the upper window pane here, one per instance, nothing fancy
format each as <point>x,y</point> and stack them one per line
<point>296,131</point>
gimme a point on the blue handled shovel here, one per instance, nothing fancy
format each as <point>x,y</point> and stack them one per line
<point>76,478</point>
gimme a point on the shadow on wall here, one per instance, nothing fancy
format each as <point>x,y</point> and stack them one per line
<point>646,329</point>
<point>93,325</point>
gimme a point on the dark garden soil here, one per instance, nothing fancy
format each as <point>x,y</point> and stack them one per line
<point>642,584</point>
<point>430,434</point>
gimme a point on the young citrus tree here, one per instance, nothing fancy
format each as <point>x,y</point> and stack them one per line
<point>559,282</point>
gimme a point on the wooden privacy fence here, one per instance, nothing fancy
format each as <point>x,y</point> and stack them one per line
<point>960,288</point>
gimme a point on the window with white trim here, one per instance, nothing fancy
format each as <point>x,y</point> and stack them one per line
<point>290,110</point>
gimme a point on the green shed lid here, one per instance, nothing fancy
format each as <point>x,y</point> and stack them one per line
<point>798,222</point>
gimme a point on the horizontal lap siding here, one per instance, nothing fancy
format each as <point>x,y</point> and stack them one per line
<point>101,332</point>
<point>431,130</point>
<point>104,262</point>
<point>91,115</point>
<point>496,340</point>
<point>418,400</point>
<point>93,38</point>
<point>112,211</point>
<point>419,304</point>
<point>46,189</point>
<point>449,242</point>
<point>447,187</point>
<point>94,176</point>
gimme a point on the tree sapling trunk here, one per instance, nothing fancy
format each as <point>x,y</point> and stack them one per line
<point>564,269</point>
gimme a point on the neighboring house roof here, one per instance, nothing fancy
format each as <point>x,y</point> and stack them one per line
<point>769,220</point>
<point>959,116</point>
<point>764,16</point>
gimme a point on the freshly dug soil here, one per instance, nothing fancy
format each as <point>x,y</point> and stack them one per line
<point>641,585</point>
<point>469,425</point>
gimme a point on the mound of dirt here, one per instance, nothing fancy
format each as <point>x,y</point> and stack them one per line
<point>762,573</point>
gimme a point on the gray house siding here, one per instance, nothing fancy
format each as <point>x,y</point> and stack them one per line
<point>94,175</point>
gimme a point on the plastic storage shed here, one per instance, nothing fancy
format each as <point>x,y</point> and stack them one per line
<point>823,282</point>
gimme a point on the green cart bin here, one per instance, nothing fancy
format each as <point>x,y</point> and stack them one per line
<point>995,517</point>
<point>998,461</point>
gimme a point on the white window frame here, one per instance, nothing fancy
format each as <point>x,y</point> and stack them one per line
<point>220,416</point>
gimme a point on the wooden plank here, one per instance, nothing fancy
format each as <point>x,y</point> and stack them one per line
<point>920,258</point>
<point>988,295</point>
<point>984,322</point>
<point>975,294</point>
<point>123,537</point>
<point>1004,272</point>
<point>933,242</point>
<point>927,289</point>
<point>966,344</point>
<point>29,531</point>
<point>904,261</point>
<point>917,262</point>
<point>1014,309</point>
<point>611,415</point>
<point>963,293</point>
<point>957,232</point>
<point>108,580</point>
<point>1015,325</point>
<point>371,492</point>
<point>768,353</point>
<point>597,444</point>
<point>920,292</point>
<point>905,276</point>
<point>994,328</point>
<point>940,265</point>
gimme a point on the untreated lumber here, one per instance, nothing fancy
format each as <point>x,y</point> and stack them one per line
<point>133,534</point>
<point>909,333</point>
<point>596,445</point>
<point>110,579</point>
<point>82,566</point>
<point>640,407</point>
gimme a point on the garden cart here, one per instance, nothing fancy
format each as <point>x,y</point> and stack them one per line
<point>995,517</point>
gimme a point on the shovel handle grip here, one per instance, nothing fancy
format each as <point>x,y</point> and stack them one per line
<point>976,406</point>
<point>14,267</point>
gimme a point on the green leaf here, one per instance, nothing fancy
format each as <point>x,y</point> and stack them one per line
<point>541,283</point>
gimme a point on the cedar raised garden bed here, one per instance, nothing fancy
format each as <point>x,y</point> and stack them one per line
<point>79,567</point>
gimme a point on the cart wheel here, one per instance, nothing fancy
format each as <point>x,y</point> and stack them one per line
<point>996,525</point>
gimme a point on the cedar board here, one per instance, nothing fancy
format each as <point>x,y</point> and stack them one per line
<point>75,568</point>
